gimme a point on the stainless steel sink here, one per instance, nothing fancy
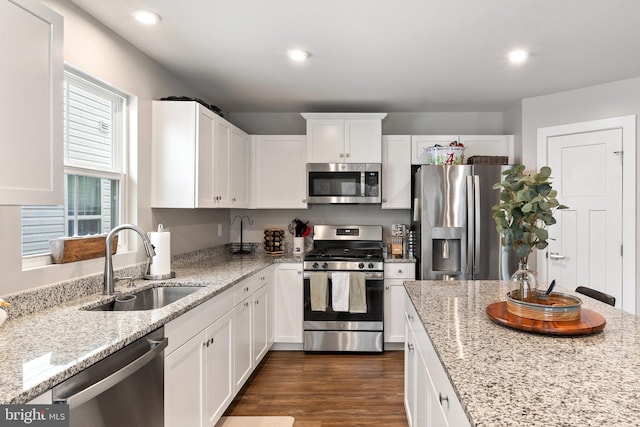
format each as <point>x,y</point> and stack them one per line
<point>148,299</point>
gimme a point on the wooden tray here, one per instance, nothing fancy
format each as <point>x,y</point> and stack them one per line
<point>589,322</point>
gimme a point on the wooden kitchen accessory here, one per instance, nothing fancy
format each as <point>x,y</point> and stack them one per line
<point>274,241</point>
<point>71,249</point>
<point>589,322</point>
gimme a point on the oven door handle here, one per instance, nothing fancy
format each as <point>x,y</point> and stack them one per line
<point>369,275</point>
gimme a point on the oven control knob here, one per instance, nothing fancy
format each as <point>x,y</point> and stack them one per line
<point>361,265</point>
<point>371,265</point>
<point>315,265</point>
<point>325,265</point>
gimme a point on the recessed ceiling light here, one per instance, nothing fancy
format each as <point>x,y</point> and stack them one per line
<point>146,17</point>
<point>298,54</point>
<point>518,56</point>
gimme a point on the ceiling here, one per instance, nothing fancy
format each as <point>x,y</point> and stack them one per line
<point>381,55</point>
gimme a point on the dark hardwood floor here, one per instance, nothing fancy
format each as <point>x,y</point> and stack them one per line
<point>321,390</point>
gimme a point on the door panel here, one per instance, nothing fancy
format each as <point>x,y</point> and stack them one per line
<point>585,245</point>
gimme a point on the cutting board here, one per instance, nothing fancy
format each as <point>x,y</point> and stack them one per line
<point>589,322</point>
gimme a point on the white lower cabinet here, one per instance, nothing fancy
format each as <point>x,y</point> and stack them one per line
<point>243,357</point>
<point>394,298</point>
<point>212,351</point>
<point>218,385</point>
<point>288,303</point>
<point>429,397</point>
<point>260,324</point>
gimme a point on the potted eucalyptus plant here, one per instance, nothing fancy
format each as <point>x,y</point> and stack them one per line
<point>526,208</point>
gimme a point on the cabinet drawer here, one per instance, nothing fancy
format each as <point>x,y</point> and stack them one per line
<point>183,328</point>
<point>247,287</point>
<point>396,270</point>
<point>447,397</point>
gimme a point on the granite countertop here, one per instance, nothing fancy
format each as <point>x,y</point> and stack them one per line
<point>41,349</point>
<point>507,377</point>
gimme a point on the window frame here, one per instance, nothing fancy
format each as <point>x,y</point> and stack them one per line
<point>120,162</point>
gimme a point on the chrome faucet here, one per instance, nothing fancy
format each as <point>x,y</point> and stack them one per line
<point>108,263</point>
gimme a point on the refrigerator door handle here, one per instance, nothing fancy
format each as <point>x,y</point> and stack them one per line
<point>470,226</point>
<point>476,219</point>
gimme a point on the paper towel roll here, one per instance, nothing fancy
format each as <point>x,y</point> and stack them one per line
<point>161,241</point>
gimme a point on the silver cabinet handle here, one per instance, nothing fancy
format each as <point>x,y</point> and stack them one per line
<point>347,155</point>
<point>555,255</point>
<point>341,154</point>
<point>410,346</point>
<point>443,398</point>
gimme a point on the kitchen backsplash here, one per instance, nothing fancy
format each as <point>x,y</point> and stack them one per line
<point>316,214</point>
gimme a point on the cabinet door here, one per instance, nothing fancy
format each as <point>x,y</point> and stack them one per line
<point>396,172</point>
<point>288,304</point>
<point>488,145</point>
<point>221,138</point>
<point>363,142</point>
<point>243,356</point>
<point>205,158</point>
<point>394,296</point>
<point>410,375</point>
<point>325,141</point>
<point>239,168</point>
<point>419,144</point>
<point>219,388</point>
<point>260,322</point>
<point>183,384</point>
<point>31,115</point>
<point>281,172</point>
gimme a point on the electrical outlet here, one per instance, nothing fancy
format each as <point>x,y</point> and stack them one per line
<point>219,230</point>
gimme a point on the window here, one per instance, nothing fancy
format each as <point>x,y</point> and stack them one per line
<point>94,140</point>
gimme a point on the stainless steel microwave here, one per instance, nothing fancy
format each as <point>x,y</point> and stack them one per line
<point>335,183</point>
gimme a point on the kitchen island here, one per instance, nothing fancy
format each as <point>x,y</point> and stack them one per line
<point>506,377</point>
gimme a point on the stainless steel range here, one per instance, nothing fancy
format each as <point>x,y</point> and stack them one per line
<point>343,290</point>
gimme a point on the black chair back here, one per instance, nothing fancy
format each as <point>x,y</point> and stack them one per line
<point>600,296</point>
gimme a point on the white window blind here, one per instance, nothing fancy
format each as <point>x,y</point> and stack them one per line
<point>93,140</point>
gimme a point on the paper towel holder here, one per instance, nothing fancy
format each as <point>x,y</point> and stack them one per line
<point>149,276</point>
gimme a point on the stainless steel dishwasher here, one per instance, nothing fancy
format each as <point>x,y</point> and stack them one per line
<point>124,389</point>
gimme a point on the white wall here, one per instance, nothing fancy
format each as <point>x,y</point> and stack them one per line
<point>94,49</point>
<point>394,124</point>
<point>614,99</point>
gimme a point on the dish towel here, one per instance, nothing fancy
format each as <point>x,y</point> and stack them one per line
<point>357,293</point>
<point>318,290</point>
<point>340,291</point>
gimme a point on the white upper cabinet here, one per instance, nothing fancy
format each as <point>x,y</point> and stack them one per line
<point>239,150</point>
<point>396,172</point>
<point>280,180</point>
<point>198,159</point>
<point>31,79</point>
<point>344,137</point>
<point>221,150</point>
<point>475,145</point>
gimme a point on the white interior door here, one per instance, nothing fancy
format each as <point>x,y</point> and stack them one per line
<point>585,247</point>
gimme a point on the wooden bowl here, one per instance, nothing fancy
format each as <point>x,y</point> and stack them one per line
<point>556,307</point>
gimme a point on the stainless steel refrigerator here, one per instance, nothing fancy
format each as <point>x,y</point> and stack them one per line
<point>456,236</point>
